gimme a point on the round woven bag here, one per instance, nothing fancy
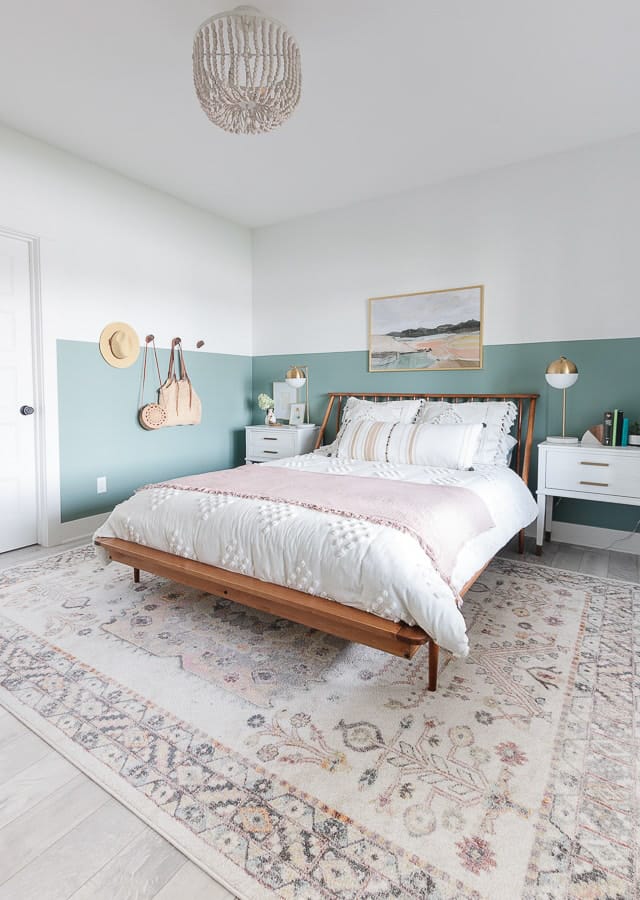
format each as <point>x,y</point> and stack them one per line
<point>152,416</point>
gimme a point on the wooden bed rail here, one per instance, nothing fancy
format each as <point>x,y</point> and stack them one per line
<point>316,612</point>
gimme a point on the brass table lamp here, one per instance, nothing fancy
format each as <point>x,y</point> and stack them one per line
<point>297,377</point>
<point>562,374</point>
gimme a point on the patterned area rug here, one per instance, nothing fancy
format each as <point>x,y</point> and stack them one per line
<point>291,764</point>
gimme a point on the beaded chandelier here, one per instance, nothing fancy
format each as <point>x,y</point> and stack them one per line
<point>246,71</point>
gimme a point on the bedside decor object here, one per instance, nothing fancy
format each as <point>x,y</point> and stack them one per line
<point>119,345</point>
<point>265,403</point>
<point>297,377</point>
<point>283,396</point>
<point>593,436</point>
<point>297,414</point>
<point>613,425</point>
<point>634,434</point>
<point>246,71</point>
<point>426,330</point>
<point>607,428</point>
<point>562,374</point>
<point>624,433</point>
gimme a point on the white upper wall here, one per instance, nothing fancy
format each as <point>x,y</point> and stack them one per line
<point>554,241</point>
<point>114,250</point>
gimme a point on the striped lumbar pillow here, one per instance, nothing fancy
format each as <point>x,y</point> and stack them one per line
<point>381,411</point>
<point>449,446</point>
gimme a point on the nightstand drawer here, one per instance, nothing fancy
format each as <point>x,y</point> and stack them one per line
<point>592,473</point>
<point>270,444</point>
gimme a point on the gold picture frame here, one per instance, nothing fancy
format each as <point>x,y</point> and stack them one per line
<point>407,323</point>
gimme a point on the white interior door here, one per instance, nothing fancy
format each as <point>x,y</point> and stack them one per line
<point>18,511</point>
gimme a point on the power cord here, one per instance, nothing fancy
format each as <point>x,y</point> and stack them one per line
<point>625,538</point>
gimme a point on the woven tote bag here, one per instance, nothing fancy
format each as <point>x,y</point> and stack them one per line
<point>177,396</point>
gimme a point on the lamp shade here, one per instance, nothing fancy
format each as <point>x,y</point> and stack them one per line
<point>561,373</point>
<point>295,377</point>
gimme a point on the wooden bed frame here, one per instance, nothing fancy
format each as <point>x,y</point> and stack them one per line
<point>315,612</point>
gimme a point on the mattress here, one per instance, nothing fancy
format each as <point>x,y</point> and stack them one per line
<point>358,563</point>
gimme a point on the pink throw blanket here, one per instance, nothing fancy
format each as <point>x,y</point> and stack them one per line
<point>441,518</point>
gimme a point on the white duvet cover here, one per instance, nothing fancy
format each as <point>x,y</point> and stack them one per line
<point>372,567</point>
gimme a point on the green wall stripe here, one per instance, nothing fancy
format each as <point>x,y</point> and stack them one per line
<point>608,379</point>
<point>100,434</point>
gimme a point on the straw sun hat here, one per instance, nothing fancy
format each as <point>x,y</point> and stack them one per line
<point>119,345</point>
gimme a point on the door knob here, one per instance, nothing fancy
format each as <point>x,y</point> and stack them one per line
<point>26,410</point>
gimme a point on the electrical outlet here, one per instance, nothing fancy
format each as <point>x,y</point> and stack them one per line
<point>101,484</point>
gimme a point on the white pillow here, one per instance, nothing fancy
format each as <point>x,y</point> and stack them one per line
<point>448,446</point>
<point>508,443</point>
<point>384,411</point>
<point>497,416</point>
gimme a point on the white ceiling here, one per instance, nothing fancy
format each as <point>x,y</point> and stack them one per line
<point>395,94</point>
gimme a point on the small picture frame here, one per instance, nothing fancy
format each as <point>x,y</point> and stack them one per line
<point>283,396</point>
<point>296,416</point>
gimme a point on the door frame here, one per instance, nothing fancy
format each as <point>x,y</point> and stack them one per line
<point>37,367</point>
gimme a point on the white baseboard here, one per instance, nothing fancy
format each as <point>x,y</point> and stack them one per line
<point>591,536</point>
<point>75,530</point>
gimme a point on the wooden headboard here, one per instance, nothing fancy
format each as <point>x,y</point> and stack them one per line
<point>525,403</point>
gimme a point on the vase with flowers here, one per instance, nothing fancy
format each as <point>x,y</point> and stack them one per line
<point>265,403</point>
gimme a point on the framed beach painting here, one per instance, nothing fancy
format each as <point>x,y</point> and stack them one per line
<point>427,330</point>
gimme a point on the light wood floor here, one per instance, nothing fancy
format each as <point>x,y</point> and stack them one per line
<point>604,563</point>
<point>62,836</point>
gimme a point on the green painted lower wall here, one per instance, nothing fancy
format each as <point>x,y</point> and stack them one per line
<point>100,434</point>
<point>609,377</point>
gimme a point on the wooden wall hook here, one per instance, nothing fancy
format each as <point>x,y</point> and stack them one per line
<point>149,338</point>
<point>199,344</point>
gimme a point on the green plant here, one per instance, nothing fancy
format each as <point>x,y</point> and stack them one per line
<point>634,428</point>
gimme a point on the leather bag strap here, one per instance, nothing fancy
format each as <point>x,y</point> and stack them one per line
<point>144,370</point>
<point>184,374</point>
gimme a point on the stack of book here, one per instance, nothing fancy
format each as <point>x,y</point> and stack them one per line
<point>615,429</point>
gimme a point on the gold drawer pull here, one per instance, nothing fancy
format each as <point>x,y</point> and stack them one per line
<point>596,483</point>
<point>584,463</point>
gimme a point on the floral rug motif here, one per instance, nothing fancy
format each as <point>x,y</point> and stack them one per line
<point>291,764</point>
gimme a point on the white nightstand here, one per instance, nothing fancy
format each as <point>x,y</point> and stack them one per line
<point>265,442</point>
<point>607,474</point>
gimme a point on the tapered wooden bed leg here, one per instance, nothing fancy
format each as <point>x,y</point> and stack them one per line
<point>136,576</point>
<point>521,541</point>
<point>433,665</point>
